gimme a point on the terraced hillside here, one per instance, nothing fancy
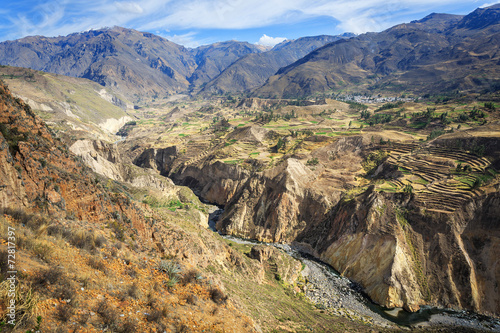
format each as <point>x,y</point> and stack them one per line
<point>441,179</point>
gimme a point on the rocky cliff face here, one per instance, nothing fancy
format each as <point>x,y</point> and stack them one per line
<point>275,206</point>
<point>215,182</point>
<point>404,256</point>
<point>40,174</point>
<point>403,251</point>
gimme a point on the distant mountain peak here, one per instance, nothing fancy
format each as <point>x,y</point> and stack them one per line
<point>438,53</point>
<point>481,18</point>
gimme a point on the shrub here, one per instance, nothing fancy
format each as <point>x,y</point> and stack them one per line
<point>172,282</point>
<point>50,275</point>
<point>128,326</point>
<point>191,276</point>
<point>43,250</point>
<point>108,314</point>
<point>134,292</point>
<point>191,299</point>
<point>157,314</point>
<point>172,269</point>
<point>64,312</point>
<point>97,263</point>
<point>373,160</point>
<point>490,106</point>
<point>217,295</point>
<point>434,134</point>
<point>118,230</point>
<point>65,290</point>
<point>313,161</point>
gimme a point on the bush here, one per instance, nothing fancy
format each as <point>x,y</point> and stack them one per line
<point>191,299</point>
<point>64,312</point>
<point>313,161</point>
<point>97,263</point>
<point>157,314</point>
<point>217,296</point>
<point>50,275</point>
<point>108,314</point>
<point>134,292</point>
<point>128,326</point>
<point>490,106</point>
<point>373,160</point>
<point>434,134</point>
<point>191,276</point>
<point>172,282</point>
<point>43,250</point>
<point>118,230</point>
<point>172,269</point>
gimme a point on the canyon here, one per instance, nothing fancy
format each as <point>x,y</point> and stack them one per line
<point>376,156</point>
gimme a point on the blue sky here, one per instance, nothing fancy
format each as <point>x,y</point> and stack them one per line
<point>198,22</point>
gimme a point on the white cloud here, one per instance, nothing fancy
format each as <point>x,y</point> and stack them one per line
<point>489,4</point>
<point>129,7</point>
<point>224,14</point>
<point>61,17</point>
<point>270,41</point>
<point>187,39</point>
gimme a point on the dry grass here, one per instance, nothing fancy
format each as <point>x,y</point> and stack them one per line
<point>73,282</point>
<point>26,299</point>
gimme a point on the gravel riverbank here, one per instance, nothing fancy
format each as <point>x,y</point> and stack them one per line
<point>339,295</point>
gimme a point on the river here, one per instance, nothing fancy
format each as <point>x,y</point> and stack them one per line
<point>330,291</point>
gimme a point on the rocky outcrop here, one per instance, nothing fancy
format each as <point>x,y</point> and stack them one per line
<point>274,206</point>
<point>285,268</point>
<point>40,174</point>
<point>215,182</point>
<point>160,160</point>
<point>100,156</point>
<point>104,159</point>
<point>405,257</point>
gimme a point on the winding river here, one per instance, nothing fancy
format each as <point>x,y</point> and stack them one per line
<point>330,291</point>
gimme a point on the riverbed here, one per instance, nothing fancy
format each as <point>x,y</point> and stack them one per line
<point>331,292</point>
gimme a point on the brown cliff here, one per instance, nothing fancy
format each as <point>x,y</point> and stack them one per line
<point>41,175</point>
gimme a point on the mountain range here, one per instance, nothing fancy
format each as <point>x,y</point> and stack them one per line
<point>439,53</point>
<point>138,65</point>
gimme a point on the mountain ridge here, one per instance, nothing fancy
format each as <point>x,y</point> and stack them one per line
<point>140,66</point>
<point>421,57</point>
<point>252,70</point>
